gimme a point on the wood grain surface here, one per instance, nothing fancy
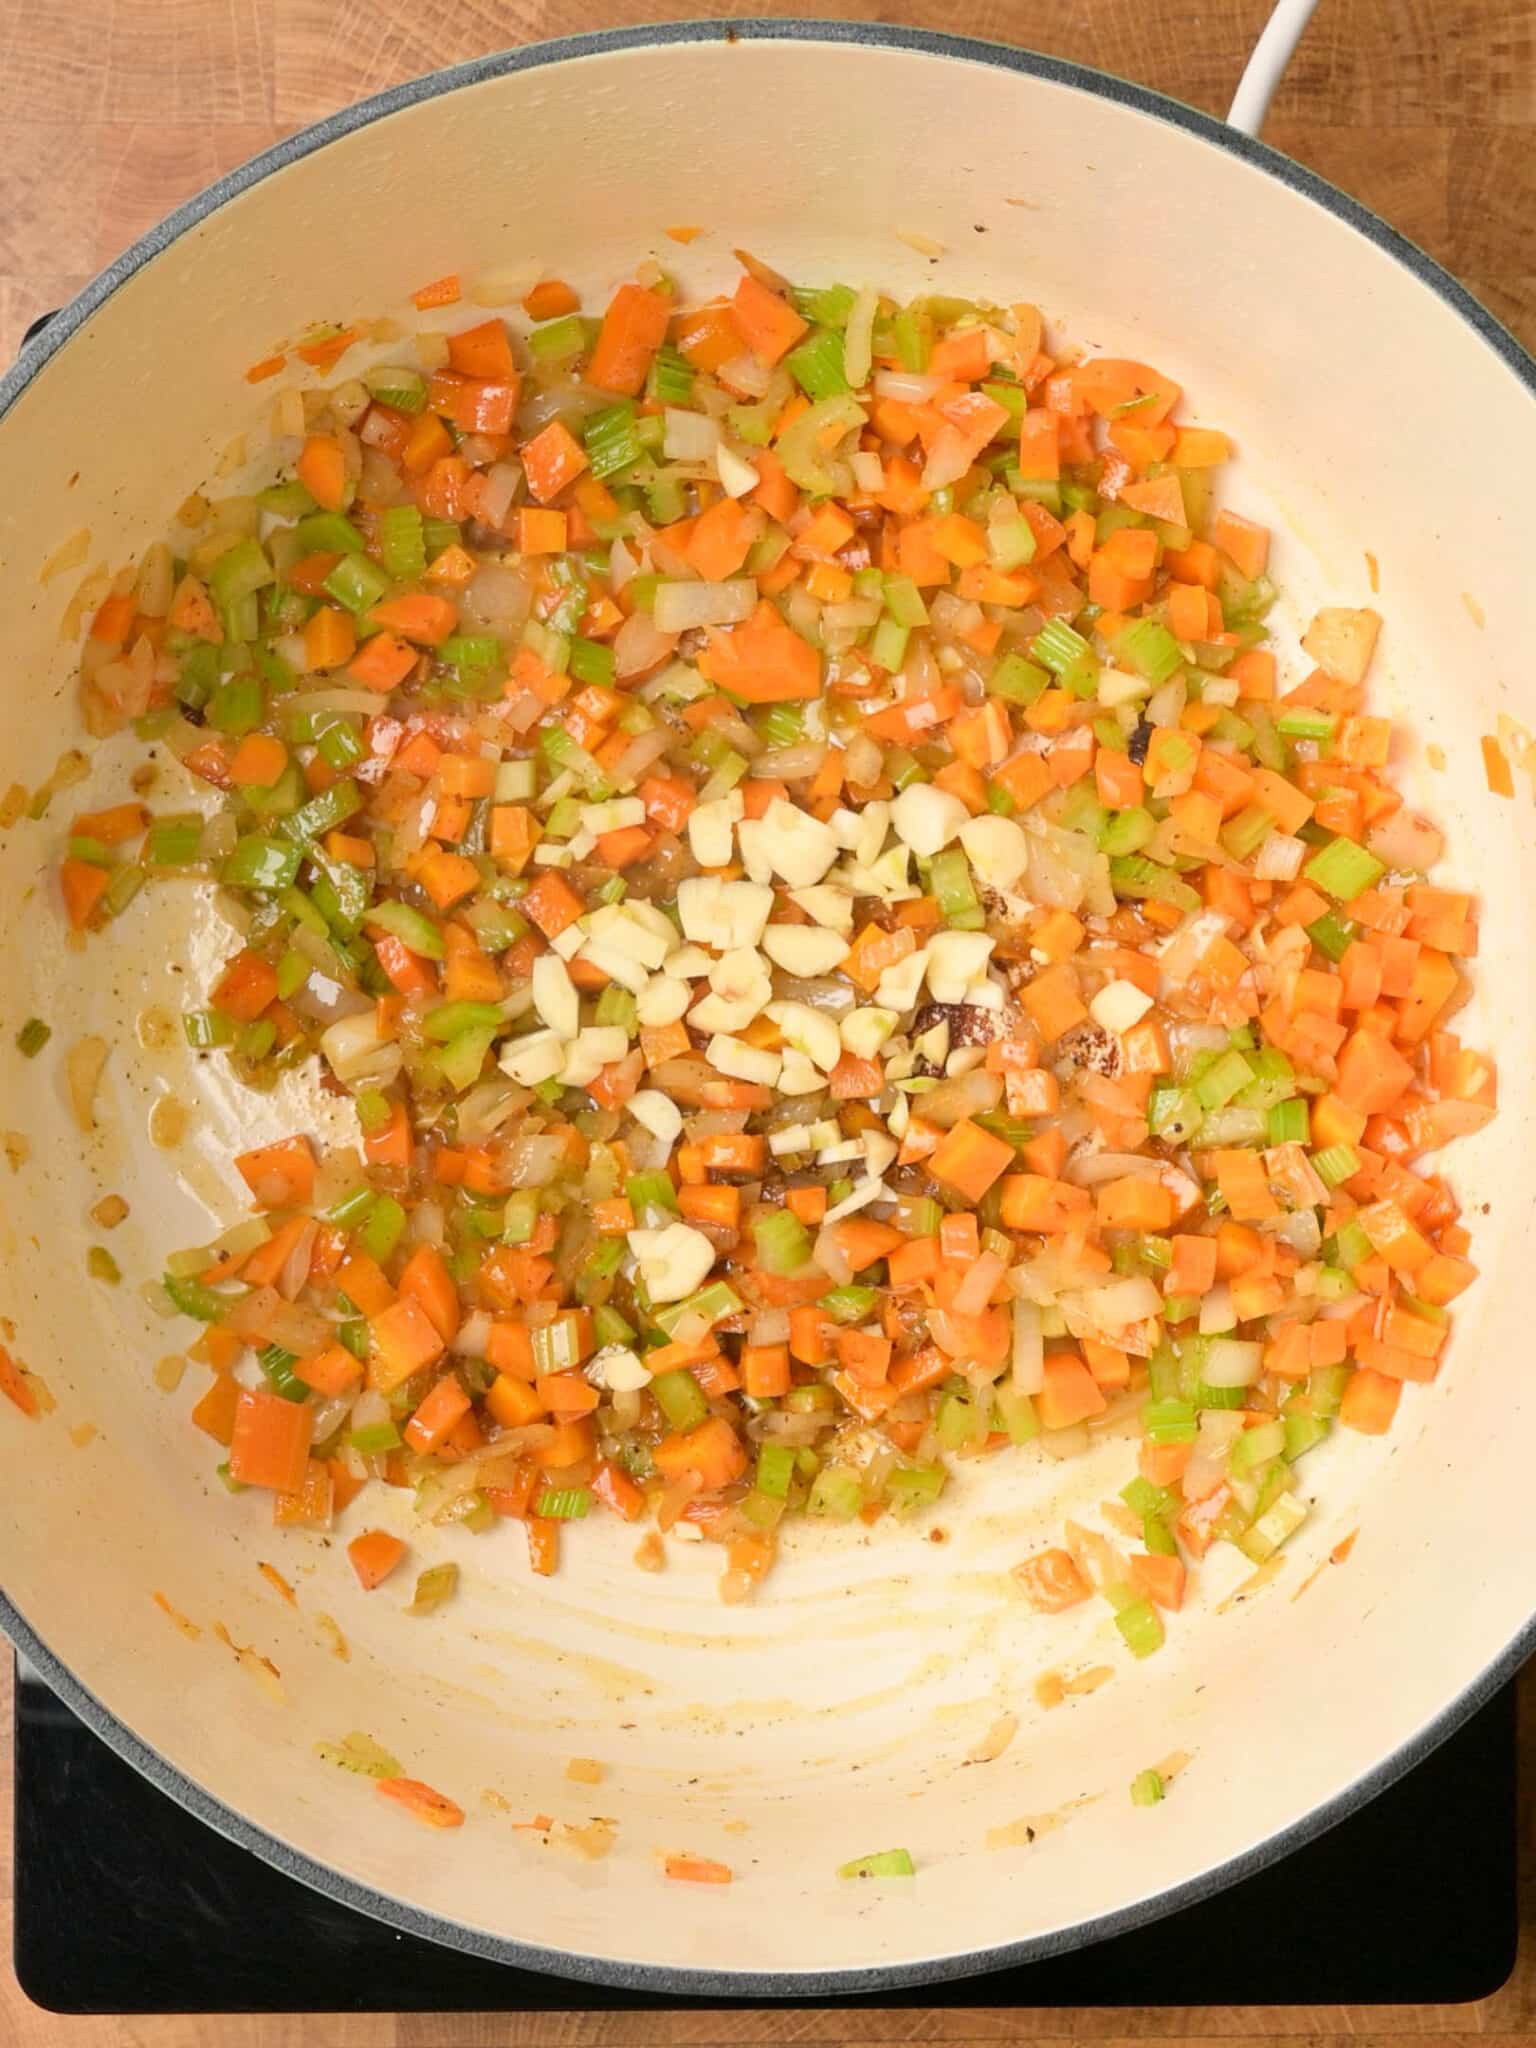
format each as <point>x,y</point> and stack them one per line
<point>114,111</point>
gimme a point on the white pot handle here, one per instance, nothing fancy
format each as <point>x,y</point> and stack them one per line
<point>1265,68</point>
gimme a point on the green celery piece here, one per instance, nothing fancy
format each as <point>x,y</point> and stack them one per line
<point>332,807</point>
<point>884,1863</point>
<point>1133,877</point>
<point>411,927</point>
<point>402,541</point>
<point>816,364</point>
<point>357,583</point>
<point>261,863</point>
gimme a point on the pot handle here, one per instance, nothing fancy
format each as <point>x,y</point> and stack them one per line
<point>1266,67</point>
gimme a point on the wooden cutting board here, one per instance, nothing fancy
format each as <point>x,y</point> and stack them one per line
<point>114,111</point>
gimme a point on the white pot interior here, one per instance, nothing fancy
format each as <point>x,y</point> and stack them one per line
<point>834,1717</point>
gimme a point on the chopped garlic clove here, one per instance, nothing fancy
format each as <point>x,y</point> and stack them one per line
<point>658,1113</point>
<point>803,949</point>
<point>723,914</point>
<point>1119,1006</point>
<point>673,1262</point>
<point>997,850</point>
<point>554,995</point>
<point>927,819</point>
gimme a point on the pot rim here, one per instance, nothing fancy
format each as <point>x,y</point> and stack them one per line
<point>870,1980</point>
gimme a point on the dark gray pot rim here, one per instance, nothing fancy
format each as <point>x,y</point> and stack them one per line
<point>705,1984</point>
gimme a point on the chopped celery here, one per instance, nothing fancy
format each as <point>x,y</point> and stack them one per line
<point>412,928</point>
<point>434,1588</point>
<point>1332,934</point>
<point>904,601</point>
<point>1016,1412</point>
<point>1141,1627</point>
<point>277,1369</point>
<point>835,1494</point>
<point>888,645</point>
<point>520,1218</point>
<point>239,573</point>
<point>357,583</point>
<point>564,1504</point>
<point>954,891</point>
<point>591,662</point>
<point>237,706</point>
<point>1016,680</point>
<point>1146,1788</point>
<point>775,1470</point>
<point>397,386</point>
<point>816,364</point>
<point>652,1197</point>
<point>850,1304</point>
<point>1169,1421</point>
<point>710,1305</point>
<point>1288,1122</point>
<point>260,863</point>
<point>1132,876</point>
<point>1335,1163</point>
<point>1244,834</point>
<point>1126,832</point>
<point>1343,869</point>
<point>610,440</point>
<point>670,378</point>
<point>609,1327</point>
<point>1057,647</point>
<point>402,541</point>
<point>1149,649</point>
<point>962,1419</point>
<point>1274,1526</point>
<point>558,340</point>
<point>912,335</point>
<point>783,1243</point>
<point>824,305</point>
<point>911,1488</point>
<point>32,1037</point>
<point>680,1399</point>
<point>100,1265</point>
<point>205,1029</point>
<point>884,1863</point>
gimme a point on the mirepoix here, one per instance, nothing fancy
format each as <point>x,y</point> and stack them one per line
<point>848,948</point>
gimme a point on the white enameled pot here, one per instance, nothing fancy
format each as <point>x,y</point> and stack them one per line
<point>1376,408</point>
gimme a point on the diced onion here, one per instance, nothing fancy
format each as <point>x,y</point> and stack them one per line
<point>638,645</point>
<point>682,607</point>
<point>1231,1363</point>
<point>909,386</point>
<point>858,336</point>
<point>688,436</point>
<point>1279,858</point>
<point>1028,1348</point>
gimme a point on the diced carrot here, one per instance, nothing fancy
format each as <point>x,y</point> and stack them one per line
<point>1070,1393</point>
<point>633,328</point>
<point>1369,1401</point>
<point>1160,1579</point>
<point>969,1159</point>
<point>269,1442</point>
<point>419,616</point>
<point>767,322</point>
<point>713,1453</point>
<point>322,469</point>
<point>697,1870</point>
<point>1051,1581</point>
<point>433,1809</point>
<point>402,1340</point>
<point>280,1176</point>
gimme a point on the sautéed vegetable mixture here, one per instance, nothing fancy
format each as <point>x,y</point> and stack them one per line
<point>847,950</point>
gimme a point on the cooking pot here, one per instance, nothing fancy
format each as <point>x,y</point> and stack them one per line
<point>1380,414</point>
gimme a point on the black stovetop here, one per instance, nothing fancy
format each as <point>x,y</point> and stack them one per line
<point>124,1903</point>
